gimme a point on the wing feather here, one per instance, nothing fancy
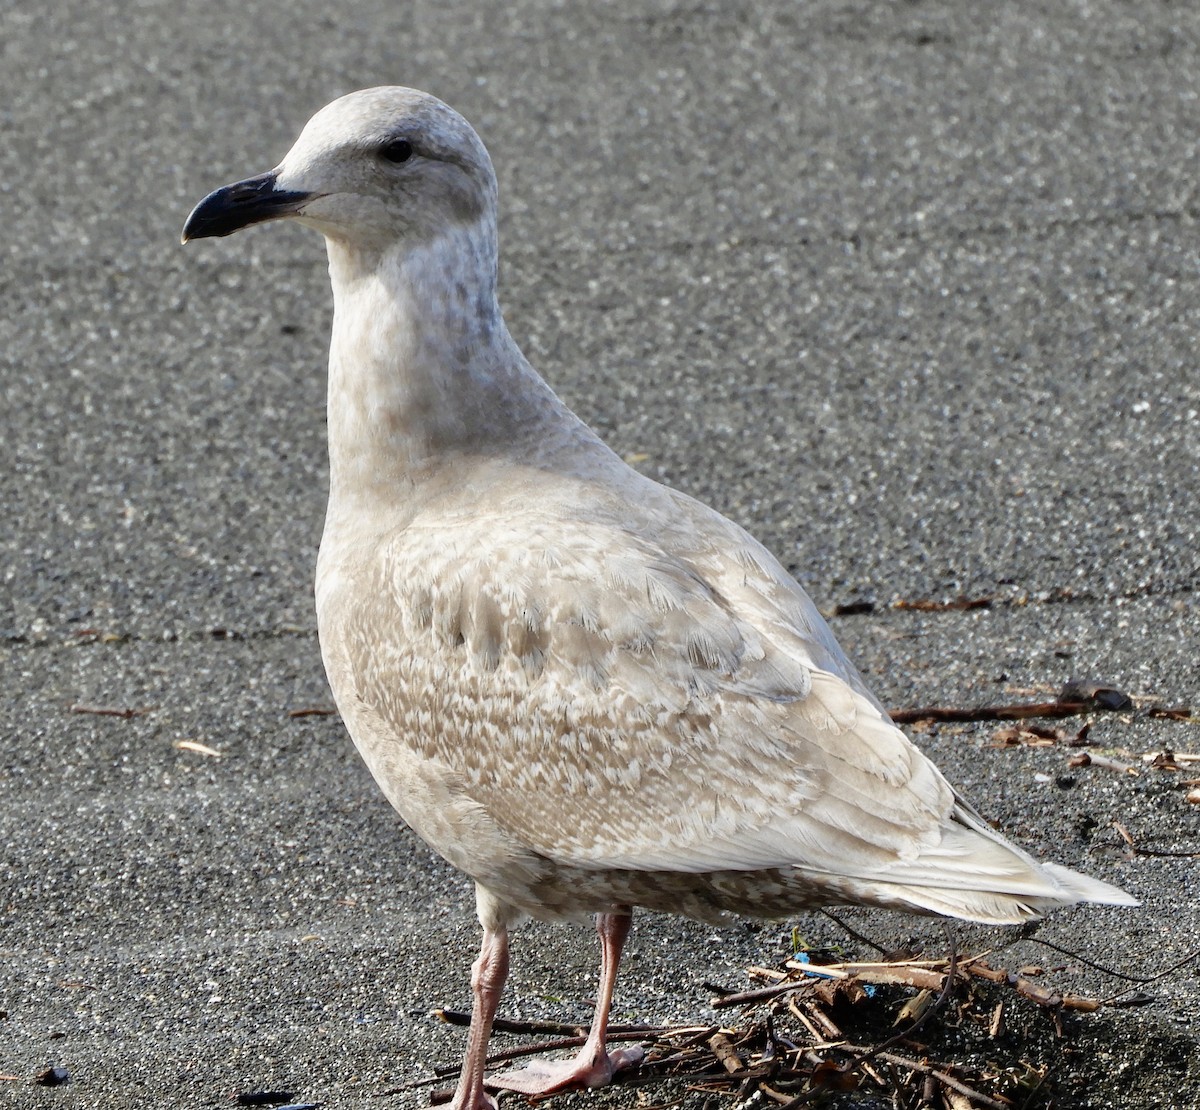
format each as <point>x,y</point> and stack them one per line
<point>616,700</point>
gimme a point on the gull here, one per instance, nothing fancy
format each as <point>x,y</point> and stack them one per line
<point>585,690</point>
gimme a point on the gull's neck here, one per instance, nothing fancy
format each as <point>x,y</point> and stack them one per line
<point>422,369</point>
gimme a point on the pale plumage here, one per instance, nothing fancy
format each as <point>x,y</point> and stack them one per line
<point>585,690</point>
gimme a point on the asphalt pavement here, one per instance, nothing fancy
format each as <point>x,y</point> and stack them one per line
<point>909,290</point>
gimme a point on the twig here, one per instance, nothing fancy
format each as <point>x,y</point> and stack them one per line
<point>825,1022</point>
<point>1170,712</point>
<point>699,1034</point>
<point>1094,759</point>
<point>1074,700</point>
<point>1152,978</point>
<point>806,1021</point>
<point>759,995</point>
<point>768,973</point>
<point>855,935</point>
<point>964,715</point>
<point>110,711</point>
<point>816,971</point>
<point>540,1047</point>
<point>566,1028</point>
<point>1125,836</point>
<point>939,1002</point>
<point>997,1023</point>
<point>929,605</point>
<point>1109,970</point>
<point>724,1052</point>
<point>908,975</point>
<point>946,1081</point>
<point>778,1097</point>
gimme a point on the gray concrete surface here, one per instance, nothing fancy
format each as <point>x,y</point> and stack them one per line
<point>911,290</point>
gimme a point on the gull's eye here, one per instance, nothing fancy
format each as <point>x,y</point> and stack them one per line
<point>396,151</point>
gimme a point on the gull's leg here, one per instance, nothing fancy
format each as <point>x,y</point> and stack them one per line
<point>595,1065</point>
<point>487,981</point>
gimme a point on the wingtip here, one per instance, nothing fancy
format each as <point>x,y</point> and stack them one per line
<point>1083,888</point>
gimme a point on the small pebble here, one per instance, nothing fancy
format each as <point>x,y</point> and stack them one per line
<point>52,1077</point>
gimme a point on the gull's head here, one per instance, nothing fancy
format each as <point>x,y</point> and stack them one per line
<point>372,169</point>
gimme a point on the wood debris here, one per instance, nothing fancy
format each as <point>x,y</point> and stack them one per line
<point>969,714</point>
<point>1138,850</point>
<point>832,1026</point>
<point>958,604</point>
<point>1165,759</point>
<point>198,748</point>
<point>1074,699</point>
<point>1038,736</point>
<point>1172,712</point>
<point>122,711</point>
<point>1094,759</point>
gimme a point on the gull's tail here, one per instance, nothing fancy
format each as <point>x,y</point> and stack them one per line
<point>976,875</point>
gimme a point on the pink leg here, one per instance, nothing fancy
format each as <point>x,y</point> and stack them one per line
<point>595,1065</point>
<point>487,981</point>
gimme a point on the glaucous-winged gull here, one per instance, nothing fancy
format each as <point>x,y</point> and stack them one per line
<point>585,690</point>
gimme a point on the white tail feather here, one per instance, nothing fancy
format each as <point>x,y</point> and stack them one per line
<point>975,875</point>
